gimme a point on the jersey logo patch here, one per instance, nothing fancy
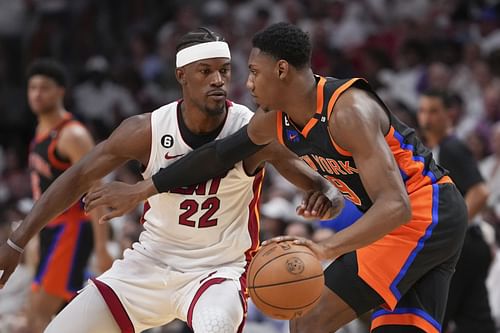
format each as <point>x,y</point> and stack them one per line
<point>292,135</point>
<point>169,157</point>
<point>287,123</point>
<point>167,141</point>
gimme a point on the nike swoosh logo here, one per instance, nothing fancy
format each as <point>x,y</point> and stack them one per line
<point>292,137</point>
<point>168,157</point>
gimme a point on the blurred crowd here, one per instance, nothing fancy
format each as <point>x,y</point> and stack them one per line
<point>120,57</point>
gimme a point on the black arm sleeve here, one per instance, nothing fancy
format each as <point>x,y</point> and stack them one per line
<point>210,160</point>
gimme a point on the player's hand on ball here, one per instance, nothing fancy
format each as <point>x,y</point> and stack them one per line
<point>318,249</point>
<point>119,198</point>
<point>317,206</point>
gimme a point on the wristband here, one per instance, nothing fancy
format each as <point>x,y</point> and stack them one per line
<point>15,246</point>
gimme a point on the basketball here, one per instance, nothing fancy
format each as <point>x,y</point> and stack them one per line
<point>285,280</point>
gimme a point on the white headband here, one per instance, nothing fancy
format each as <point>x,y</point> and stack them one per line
<point>202,51</point>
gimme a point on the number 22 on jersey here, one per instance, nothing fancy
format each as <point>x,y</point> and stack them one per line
<point>208,207</point>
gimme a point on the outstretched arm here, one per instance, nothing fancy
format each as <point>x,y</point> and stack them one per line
<point>131,140</point>
<point>322,200</point>
<point>211,160</point>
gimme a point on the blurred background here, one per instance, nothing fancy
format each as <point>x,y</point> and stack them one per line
<point>120,58</point>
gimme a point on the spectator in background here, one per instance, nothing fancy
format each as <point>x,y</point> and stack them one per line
<point>101,102</point>
<point>468,304</point>
<point>274,215</point>
<point>145,60</point>
<point>490,170</point>
<point>402,83</point>
<point>491,100</point>
<point>15,176</point>
<point>300,229</point>
<point>489,30</point>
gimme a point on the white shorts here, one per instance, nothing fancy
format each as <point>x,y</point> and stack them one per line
<point>142,293</point>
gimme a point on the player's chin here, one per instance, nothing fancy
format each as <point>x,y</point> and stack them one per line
<point>215,109</point>
<point>265,107</point>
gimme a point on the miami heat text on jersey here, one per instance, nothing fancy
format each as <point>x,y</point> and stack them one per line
<point>46,165</point>
<point>415,161</point>
<point>205,225</point>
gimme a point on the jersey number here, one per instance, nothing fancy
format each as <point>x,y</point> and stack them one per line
<point>191,207</point>
<point>345,190</point>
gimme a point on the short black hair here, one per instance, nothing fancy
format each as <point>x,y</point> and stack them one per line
<point>49,68</point>
<point>448,99</point>
<point>198,36</point>
<point>285,41</point>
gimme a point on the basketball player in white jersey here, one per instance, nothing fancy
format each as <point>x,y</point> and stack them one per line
<point>190,261</point>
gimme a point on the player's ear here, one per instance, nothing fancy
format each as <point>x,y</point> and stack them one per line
<point>180,75</point>
<point>282,69</point>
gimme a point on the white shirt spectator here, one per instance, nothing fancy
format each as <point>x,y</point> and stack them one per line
<point>102,102</point>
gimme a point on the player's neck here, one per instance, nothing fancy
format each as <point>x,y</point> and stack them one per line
<point>301,99</point>
<point>48,120</point>
<point>198,121</point>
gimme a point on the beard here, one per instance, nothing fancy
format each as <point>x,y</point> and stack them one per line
<point>215,110</point>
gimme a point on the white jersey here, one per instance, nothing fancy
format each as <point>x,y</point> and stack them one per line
<point>207,225</point>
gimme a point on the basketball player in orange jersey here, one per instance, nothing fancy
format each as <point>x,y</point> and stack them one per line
<point>190,261</point>
<point>66,241</point>
<point>399,256</point>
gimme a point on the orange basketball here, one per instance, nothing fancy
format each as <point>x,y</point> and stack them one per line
<point>285,280</point>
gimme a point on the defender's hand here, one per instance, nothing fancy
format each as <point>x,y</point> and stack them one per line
<point>9,259</point>
<point>120,198</point>
<point>316,205</point>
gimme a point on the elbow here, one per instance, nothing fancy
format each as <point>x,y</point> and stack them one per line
<point>404,209</point>
<point>399,209</point>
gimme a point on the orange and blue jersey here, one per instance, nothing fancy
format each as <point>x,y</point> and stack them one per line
<point>66,241</point>
<point>46,165</point>
<point>422,177</point>
<point>315,145</point>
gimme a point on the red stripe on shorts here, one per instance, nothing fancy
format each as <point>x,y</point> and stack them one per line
<point>115,306</point>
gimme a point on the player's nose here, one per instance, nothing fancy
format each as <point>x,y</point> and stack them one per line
<point>249,83</point>
<point>217,79</point>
